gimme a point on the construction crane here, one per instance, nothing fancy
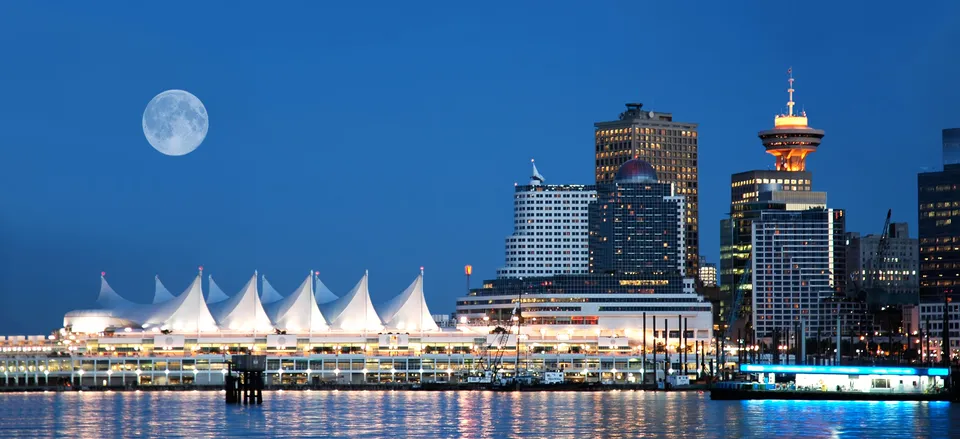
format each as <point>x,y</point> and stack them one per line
<point>881,250</point>
<point>871,271</point>
<point>495,364</point>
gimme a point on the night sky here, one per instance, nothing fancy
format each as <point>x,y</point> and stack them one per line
<point>389,135</point>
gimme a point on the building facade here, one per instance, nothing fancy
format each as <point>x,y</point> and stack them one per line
<point>124,360</point>
<point>670,146</point>
<point>939,205</point>
<point>708,273</point>
<point>797,264</point>
<point>637,225</point>
<point>925,323</point>
<point>550,230</point>
<point>893,277</point>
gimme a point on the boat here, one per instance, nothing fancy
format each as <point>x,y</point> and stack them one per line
<point>835,383</point>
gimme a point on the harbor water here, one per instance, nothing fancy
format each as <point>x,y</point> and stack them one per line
<point>466,414</point>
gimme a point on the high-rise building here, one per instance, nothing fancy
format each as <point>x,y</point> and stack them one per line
<point>939,205</point>
<point>669,146</point>
<point>891,279</point>
<point>708,273</point>
<point>550,230</point>
<point>636,281</point>
<point>797,265</point>
<point>788,187</point>
<point>637,225</point>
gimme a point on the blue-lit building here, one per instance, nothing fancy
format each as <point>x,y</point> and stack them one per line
<point>853,379</point>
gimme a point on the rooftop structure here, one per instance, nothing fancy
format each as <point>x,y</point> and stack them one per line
<point>243,311</point>
<point>791,138</point>
<point>161,294</point>
<point>247,312</point>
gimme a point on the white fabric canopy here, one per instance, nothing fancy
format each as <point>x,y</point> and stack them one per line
<point>243,311</point>
<point>112,311</point>
<point>299,312</point>
<point>109,299</point>
<point>408,311</point>
<point>185,313</point>
<point>322,293</point>
<point>161,293</point>
<point>354,311</point>
<point>270,293</point>
<point>214,293</point>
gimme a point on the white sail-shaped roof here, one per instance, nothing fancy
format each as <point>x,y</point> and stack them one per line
<point>299,312</point>
<point>321,292</point>
<point>408,311</point>
<point>185,313</point>
<point>109,299</point>
<point>270,294</point>
<point>214,293</point>
<point>160,293</point>
<point>243,311</point>
<point>354,311</point>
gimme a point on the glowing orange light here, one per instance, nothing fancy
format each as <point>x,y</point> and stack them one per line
<point>468,269</point>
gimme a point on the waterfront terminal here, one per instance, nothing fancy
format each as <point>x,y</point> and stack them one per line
<point>314,338</point>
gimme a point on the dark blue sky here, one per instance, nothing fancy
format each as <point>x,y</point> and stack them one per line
<point>388,136</point>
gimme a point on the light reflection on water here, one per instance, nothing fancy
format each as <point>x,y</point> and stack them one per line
<point>459,414</point>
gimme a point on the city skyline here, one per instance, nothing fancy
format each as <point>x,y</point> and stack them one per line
<point>268,190</point>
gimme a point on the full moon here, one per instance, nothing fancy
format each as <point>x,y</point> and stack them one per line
<point>175,122</point>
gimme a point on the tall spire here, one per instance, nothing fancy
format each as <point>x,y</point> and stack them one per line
<point>536,178</point>
<point>790,90</point>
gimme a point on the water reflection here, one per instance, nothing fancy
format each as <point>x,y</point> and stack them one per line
<point>458,414</point>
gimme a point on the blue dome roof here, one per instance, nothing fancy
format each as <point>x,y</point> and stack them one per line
<point>636,171</point>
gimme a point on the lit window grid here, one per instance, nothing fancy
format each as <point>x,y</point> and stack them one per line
<point>939,207</point>
<point>793,270</point>
<point>637,228</point>
<point>671,148</point>
<point>550,231</point>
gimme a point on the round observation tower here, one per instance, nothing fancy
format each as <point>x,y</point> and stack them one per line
<point>791,138</point>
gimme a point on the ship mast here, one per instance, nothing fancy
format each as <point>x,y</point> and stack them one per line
<point>516,375</point>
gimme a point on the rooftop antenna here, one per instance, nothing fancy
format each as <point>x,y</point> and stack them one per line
<point>790,90</point>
